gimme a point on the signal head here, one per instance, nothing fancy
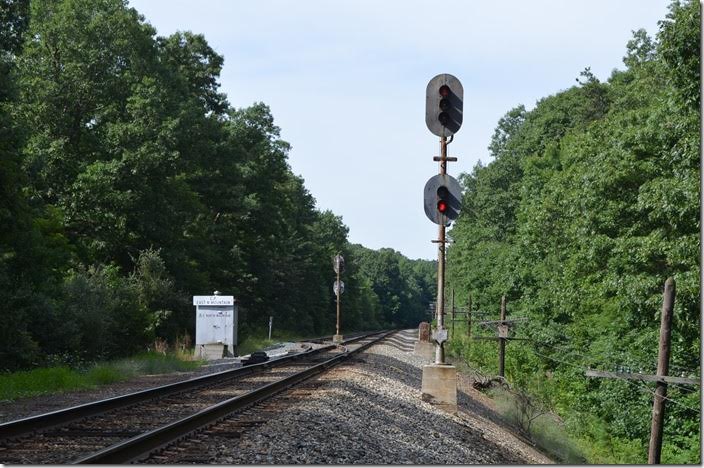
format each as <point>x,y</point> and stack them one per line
<point>443,105</point>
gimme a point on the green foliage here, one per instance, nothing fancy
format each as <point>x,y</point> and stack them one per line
<point>154,363</point>
<point>591,202</point>
<point>48,380</point>
<point>128,183</point>
<point>403,288</point>
<point>546,430</point>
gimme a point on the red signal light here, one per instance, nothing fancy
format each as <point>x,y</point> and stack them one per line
<point>444,91</point>
<point>442,206</point>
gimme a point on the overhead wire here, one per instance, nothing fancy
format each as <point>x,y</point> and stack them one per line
<point>640,384</point>
<point>648,390</point>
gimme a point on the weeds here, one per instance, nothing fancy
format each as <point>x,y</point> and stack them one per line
<point>536,422</point>
<point>48,380</point>
<point>256,342</point>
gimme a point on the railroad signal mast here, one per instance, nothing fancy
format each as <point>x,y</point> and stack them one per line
<point>338,287</point>
<point>443,194</point>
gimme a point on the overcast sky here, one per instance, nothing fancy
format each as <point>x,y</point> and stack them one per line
<point>346,82</point>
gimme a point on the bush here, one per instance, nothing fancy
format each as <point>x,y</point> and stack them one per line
<point>61,378</point>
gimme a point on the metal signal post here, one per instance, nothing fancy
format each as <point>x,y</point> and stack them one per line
<point>338,288</point>
<point>442,199</point>
<point>440,309</point>
<point>337,326</point>
<point>442,193</point>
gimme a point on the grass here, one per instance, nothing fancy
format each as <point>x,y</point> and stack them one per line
<point>49,380</point>
<point>546,430</point>
<point>256,342</point>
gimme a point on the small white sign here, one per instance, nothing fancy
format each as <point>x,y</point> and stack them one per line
<point>440,335</point>
<point>213,300</point>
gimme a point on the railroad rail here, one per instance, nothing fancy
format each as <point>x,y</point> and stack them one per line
<point>124,428</point>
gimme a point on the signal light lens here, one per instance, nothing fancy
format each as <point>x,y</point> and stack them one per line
<point>442,206</point>
<point>444,90</point>
<point>444,104</point>
<point>444,118</point>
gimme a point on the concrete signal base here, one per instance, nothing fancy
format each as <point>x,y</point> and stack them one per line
<point>337,339</point>
<point>425,349</point>
<point>439,386</point>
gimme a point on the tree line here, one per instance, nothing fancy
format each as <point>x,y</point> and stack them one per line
<point>591,201</point>
<point>130,183</point>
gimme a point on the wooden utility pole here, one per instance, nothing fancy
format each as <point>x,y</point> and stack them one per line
<point>469,316</point>
<point>668,302</point>
<point>661,378</point>
<point>502,336</point>
<point>452,306</point>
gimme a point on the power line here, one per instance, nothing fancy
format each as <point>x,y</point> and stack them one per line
<point>645,388</point>
<point>559,360</point>
<point>621,365</point>
<point>639,384</point>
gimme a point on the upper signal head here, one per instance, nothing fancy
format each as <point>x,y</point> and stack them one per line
<point>443,105</point>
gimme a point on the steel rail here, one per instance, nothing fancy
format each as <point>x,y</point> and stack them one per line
<point>143,444</point>
<point>41,422</point>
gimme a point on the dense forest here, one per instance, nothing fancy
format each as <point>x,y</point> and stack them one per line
<point>591,201</point>
<point>129,183</point>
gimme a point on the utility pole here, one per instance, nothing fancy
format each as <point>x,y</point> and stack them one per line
<point>469,316</point>
<point>502,336</point>
<point>452,306</point>
<point>661,378</point>
<point>668,303</point>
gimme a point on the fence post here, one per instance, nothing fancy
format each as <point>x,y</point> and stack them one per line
<point>668,302</point>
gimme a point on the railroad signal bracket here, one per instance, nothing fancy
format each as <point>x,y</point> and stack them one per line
<point>449,158</point>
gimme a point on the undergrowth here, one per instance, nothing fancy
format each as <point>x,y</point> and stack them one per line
<point>57,379</point>
<point>259,340</point>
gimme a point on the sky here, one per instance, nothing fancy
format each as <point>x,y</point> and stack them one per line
<point>345,81</point>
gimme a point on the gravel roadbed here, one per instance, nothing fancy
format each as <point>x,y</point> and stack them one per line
<point>25,407</point>
<point>370,411</point>
<point>367,411</point>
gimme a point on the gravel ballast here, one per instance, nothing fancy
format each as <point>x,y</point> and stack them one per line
<point>369,411</point>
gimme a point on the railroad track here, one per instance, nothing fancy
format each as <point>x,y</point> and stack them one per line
<point>129,427</point>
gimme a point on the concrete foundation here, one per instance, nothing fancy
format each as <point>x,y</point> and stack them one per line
<point>439,386</point>
<point>425,349</point>
<point>337,339</point>
<point>211,351</point>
